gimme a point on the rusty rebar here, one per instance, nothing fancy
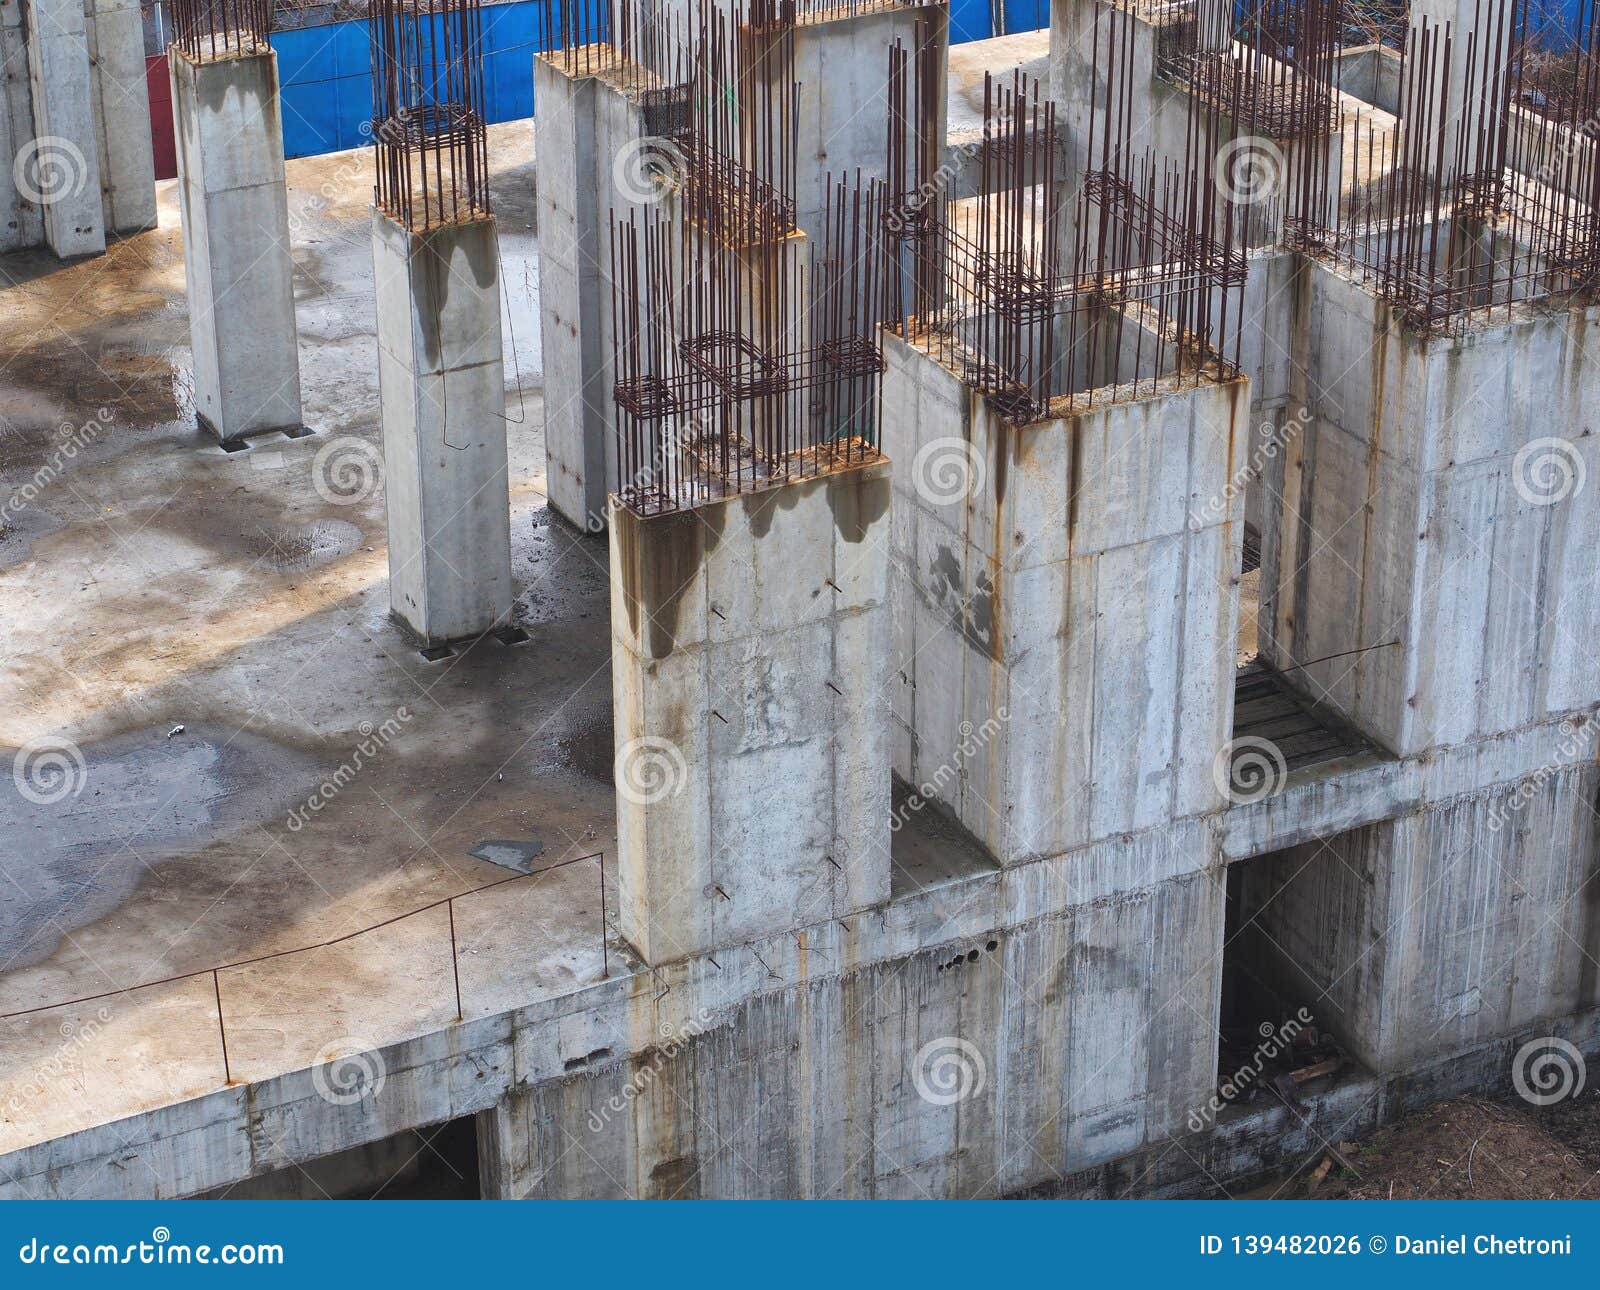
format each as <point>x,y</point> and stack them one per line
<point>211,29</point>
<point>428,129</point>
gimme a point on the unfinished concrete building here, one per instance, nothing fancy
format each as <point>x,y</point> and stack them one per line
<point>1087,688</point>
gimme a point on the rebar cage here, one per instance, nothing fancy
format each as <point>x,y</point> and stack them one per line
<point>428,129</point>
<point>1046,291</point>
<point>211,29</point>
<point>743,356</point>
<point>1483,191</point>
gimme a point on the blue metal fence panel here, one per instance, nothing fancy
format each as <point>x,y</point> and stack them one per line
<point>1026,15</point>
<point>970,20</point>
<point>325,80</point>
<point>511,35</point>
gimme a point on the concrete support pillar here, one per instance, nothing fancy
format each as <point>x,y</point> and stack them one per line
<point>1065,628</point>
<point>596,157</point>
<point>122,115</point>
<point>441,382</point>
<point>1429,571</point>
<point>1083,36</point>
<point>20,221</point>
<point>65,151</point>
<point>750,642</point>
<point>236,243</point>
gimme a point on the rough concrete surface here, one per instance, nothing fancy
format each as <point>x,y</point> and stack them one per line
<point>245,927</point>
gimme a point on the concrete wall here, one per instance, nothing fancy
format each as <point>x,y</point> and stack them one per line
<point>1422,505</point>
<point>441,381</point>
<point>842,67</point>
<point>1371,73</point>
<point>749,653</point>
<point>1445,928</point>
<point>1068,605</point>
<point>980,1068</point>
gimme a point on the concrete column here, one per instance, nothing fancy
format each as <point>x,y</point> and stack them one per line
<point>441,382</point>
<point>1429,573</point>
<point>236,243</point>
<point>750,643</point>
<point>20,222</point>
<point>597,160</point>
<point>122,115</point>
<point>65,162</point>
<point>1068,607</point>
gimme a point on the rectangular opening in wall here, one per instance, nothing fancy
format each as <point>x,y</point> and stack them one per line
<point>1296,1007</point>
<point>1277,730</point>
<point>1248,645</point>
<point>439,1162</point>
<point>928,845</point>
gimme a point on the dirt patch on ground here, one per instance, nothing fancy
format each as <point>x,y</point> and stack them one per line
<point>1471,1149</point>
